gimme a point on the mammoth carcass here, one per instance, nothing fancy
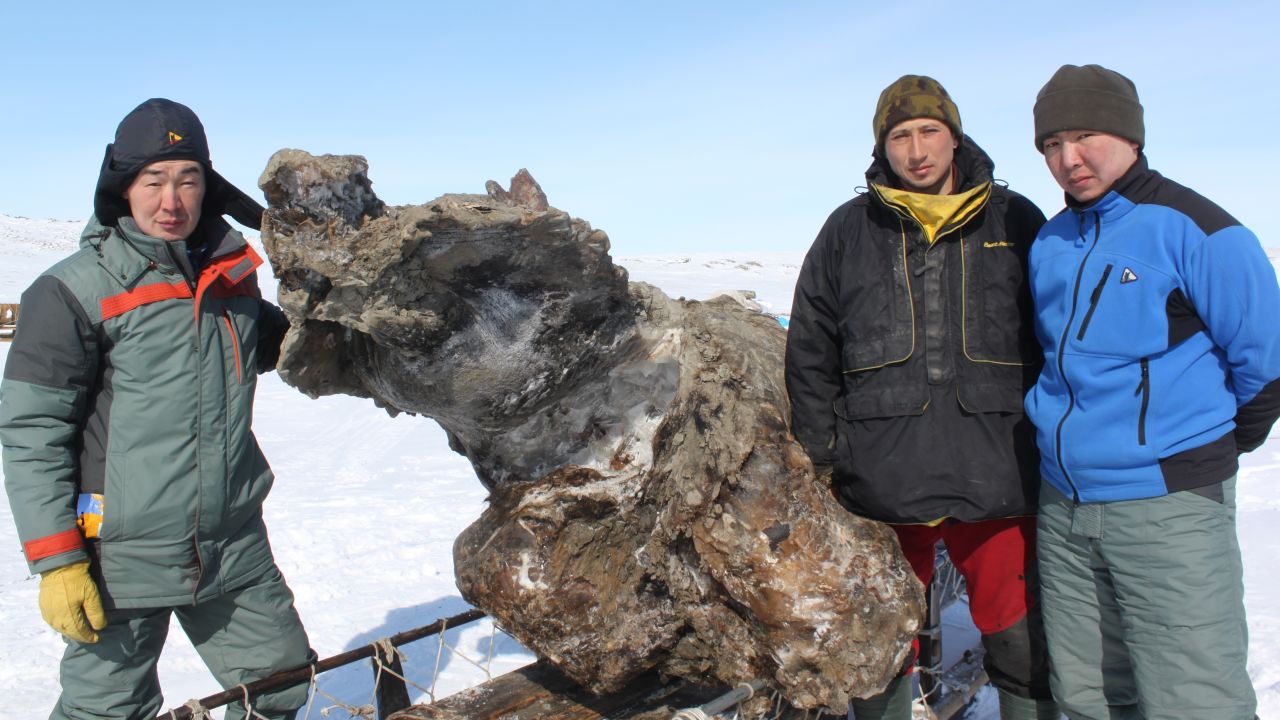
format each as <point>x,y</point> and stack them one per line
<point>648,506</point>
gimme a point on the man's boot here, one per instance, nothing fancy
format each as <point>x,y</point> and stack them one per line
<point>1013,707</point>
<point>892,704</point>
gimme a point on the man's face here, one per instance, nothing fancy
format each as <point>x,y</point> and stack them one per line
<point>165,198</point>
<point>1086,163</point>
<point>920,152</point>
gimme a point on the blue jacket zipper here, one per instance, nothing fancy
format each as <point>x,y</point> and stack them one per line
<point>1093,301</point>
<point>1066,331</point>
<point>1144,389</point>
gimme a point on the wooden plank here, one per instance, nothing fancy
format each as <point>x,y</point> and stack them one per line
<point>8,320</point>
<point>956,687</point>
<point>390,693</point>
<point>540,691</point>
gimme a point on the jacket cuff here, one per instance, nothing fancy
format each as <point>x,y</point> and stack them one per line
<point>53,551</point>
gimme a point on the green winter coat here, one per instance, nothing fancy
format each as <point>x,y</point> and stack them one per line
<point>132,376</point>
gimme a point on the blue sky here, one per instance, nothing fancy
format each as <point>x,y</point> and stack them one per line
<point>673,126</point>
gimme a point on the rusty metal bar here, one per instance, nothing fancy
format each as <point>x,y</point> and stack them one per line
<point>288,678</point>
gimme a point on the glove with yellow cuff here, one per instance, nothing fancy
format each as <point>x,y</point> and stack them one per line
<point>70,603</point>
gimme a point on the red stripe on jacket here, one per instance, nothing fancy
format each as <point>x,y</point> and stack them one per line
<point>119,304</point>
<point>241,263</point>
<point>51,545</point>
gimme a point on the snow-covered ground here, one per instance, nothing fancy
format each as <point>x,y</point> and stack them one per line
<point>366,507</point>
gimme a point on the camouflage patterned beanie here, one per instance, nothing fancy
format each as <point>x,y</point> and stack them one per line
<point>1088,98</point>
<point>910,97</point>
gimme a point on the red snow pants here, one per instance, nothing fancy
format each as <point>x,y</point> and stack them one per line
<point>997,559</point>
<point>992,557</point>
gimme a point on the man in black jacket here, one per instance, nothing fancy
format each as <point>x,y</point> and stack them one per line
<point>910,347</point>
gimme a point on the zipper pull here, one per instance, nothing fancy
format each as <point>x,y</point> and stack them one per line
<point>1142,384</point>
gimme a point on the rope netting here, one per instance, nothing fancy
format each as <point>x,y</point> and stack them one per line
<point>387,661</point>
<point>384,655</point>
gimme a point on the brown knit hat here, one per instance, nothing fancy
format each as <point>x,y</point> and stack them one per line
<point>1089,98</point>
<point>914,96</point>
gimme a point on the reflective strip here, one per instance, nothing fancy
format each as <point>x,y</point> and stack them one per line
<point>51,545</point>
<point>122,303</point>
<point>244,263</point>
<point>242,268</point>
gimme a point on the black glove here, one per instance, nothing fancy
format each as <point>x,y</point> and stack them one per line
<point>272,325</point>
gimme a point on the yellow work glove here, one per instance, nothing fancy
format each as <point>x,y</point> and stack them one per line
<point>70,603</point>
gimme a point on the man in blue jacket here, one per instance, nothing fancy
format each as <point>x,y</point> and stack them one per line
<point>1156,311</point>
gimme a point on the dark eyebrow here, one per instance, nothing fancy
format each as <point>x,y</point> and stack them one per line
<point>184,171</point>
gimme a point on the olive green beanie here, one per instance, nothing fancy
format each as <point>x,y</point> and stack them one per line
<point>1088,98</point>
<point>910,97</point>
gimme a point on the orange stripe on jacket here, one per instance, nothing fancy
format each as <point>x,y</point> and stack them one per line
<point>241,263</point>
<point>235,342</point>
<point>122,303</point>
<point>51,545</point>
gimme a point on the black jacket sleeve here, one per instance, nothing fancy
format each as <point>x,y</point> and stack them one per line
<point>272,326</point>
<point>55,345</point>
<point>1025,219</point>
<point>813,362</point>
<point>50,375</point>
<point>1255,418</point>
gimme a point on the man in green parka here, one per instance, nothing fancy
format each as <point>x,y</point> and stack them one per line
<point>125,416</point>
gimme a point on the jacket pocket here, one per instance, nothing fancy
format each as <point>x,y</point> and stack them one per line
<point>885,393</point>
<point>236,324</point>
<point>112,525</point>
<point>998,318</point>
<point>234,341</point>
<point>878,323</point>
<point>1144,391</point>
<point>1093,301</point>
<point>1121,309</point>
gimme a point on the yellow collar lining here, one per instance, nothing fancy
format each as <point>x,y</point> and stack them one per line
<point>937,214</point>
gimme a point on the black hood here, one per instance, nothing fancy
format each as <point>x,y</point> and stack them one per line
<point>158,130</point>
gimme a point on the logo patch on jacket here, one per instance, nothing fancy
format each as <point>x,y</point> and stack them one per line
<point>1128,276</point>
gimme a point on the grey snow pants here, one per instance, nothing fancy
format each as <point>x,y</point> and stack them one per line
<point>242,636</point>
<point>1144,607</point>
